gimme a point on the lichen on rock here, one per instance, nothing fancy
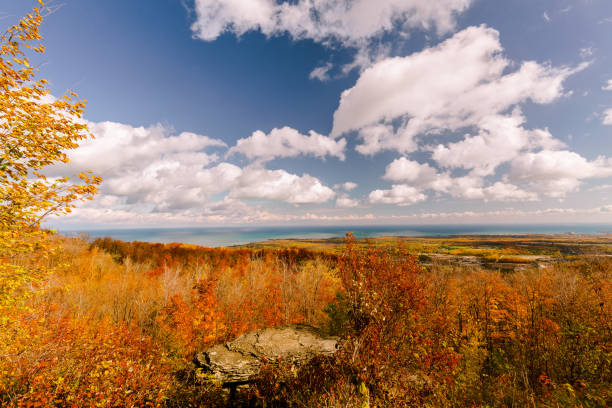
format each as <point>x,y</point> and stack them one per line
<point>240,361</point>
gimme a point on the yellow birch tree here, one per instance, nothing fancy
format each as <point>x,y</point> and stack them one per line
<point>36,131</point>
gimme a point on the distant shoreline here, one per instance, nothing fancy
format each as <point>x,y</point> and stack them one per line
<point>237,236</point>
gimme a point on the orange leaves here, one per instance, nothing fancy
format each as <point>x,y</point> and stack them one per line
<point>193,326</point>
<point>391,347</point>
<point>78,362</point>
<point>382,284</point>
<point>122,332</point>
<point>254,289</point>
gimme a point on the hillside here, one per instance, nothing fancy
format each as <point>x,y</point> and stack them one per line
<point>118,323</point>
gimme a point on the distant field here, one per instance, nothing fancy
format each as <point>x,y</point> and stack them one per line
<point>504,252</point>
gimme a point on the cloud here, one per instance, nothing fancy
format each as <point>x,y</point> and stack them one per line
<point>364,26</point>
<point>172,186</point>
<point>288,142</point>
<point>322,72</point>
<point>500,139</point>
<point>404,170</point>
<point>345,202</point>
<point>466,187</point>
<point>546,17</point>
<point>281,186</point>
<point>228,212</point>
<point>325,21</point>
<point>379,137</point>
<point>151,179</point>
<point>369,53</point>
<point>608,85</point>
<point>221,212</point>
<point>454,85</point>
<point>349,186</point>
<point>153,170</point>
<point>117,148</point>
<point>399,194</point>
<point>151,166</point>
<point>607,117</point>
<point>423,177</point>
<point>462,84</point>
<point>508,192</point>
<point>556,173</point>
<point>602,187</point>
<point>586,52</point>
<point>505,214</point>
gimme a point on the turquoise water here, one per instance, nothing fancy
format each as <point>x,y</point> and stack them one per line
<point>215,237</point>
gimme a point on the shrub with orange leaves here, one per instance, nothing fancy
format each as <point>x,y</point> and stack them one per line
<point>389,354</point>
<point>390,344</point>
<point>188,327</point>
<point>72,362</point>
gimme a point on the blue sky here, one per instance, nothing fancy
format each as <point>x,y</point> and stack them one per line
<point>233,112</point>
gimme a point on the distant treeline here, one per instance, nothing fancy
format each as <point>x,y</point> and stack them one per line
<point>177,254</point>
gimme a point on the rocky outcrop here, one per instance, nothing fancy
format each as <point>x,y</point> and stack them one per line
<point>239,362</point>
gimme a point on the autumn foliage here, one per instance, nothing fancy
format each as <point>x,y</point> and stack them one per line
<point>36,131</point>
<point>117,324</point>
<point>441,336</point>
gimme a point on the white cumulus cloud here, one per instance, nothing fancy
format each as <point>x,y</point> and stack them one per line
<point>281,186</point>
<point>508,192</point>
<point>345,201</point>
<point>556,173</point>
<point>357,24</point>
<point>404,170</point>
<point>607,117</point>
<point>422,177</point>
<point>399,194</point>
<point>153,170</point>
<point>288,142</point>
<point>349,186</point>
<point>464,84</point>
<point>456,84</point>
<point>118,147</point>
<point>348,22</point>
<point>151,167</point>
<point>500,139</point>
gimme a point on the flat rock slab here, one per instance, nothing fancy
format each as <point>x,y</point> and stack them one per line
<point>240,361</point>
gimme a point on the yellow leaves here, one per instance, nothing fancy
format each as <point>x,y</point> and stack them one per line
<point>21,61</point>
<point>34,136</point>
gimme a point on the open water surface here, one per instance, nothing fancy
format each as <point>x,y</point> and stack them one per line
<point>216,237</point>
